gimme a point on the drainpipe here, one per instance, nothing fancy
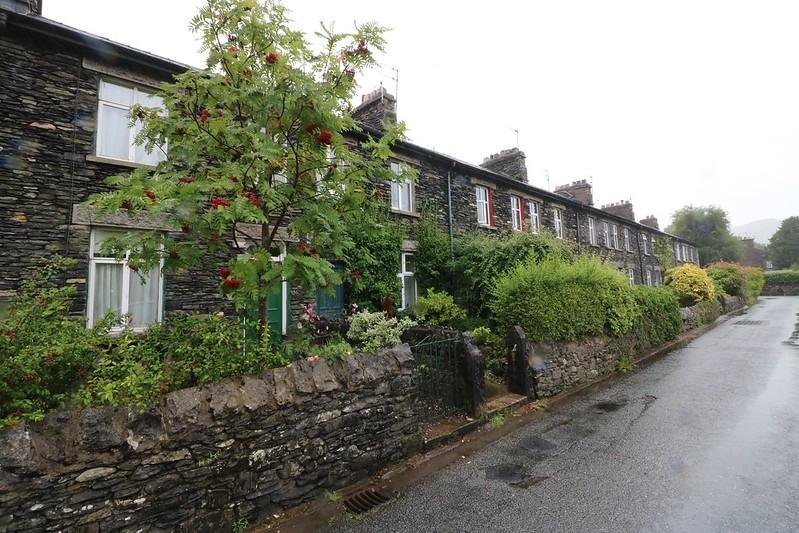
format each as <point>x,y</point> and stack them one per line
<point>449,205</point>
<point>577,212</point>
<point>640,255</point>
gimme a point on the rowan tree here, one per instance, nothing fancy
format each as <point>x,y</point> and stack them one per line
<point>256,144</point>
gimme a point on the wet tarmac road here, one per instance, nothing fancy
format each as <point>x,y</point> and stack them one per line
<point>706,439</point>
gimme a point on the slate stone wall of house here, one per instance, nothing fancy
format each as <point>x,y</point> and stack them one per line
<point>44,170</point>
<point>208,456</point>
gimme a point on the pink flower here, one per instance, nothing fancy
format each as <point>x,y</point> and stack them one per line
<point>220,314</point>
<point>313,359</point>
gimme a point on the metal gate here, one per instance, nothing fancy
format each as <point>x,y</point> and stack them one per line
<point>438,370</point>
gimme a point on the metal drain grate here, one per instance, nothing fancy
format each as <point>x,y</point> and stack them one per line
<point>748,323</point>
<point>366,500</point>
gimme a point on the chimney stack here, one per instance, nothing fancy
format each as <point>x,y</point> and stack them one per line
<point>26,7</point>
<point>651,221</point>
<point>376,109</point>
<point>579,190</point>
<point>510,162</point>
<point>622,209</point>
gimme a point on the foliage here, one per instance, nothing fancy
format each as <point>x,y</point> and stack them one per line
<point>493,349</point>
<point>480,259</point>
<point>557,300</point>
<point>184,351</point>
<point>664,252</point>
<point>709,228</point>
<point>755,280</point>
<point>691,284</point>
<point>734,279</point>
<point>658,320</point>
<point>783,248</point>
<point>708,311</point>
<point>373,330</point>
<point>255,138</point>
<point>45,352</point>
<point>497,419</point>
<point>728,278</point>
<point>782,278</point>
<point>374,261</point>
<point>433,256</point>
<point>624,364</point>
<point>334,350</point>
<point>438,309</point>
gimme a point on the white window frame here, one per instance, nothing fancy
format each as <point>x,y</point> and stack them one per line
<point>677,252</point>
<point>648,277</point>
<point>592,231</point>
<point>399,190</point>
<point>645,241</point>
<point>606,234</point>
<point>483,207</point>
<point>126,280</point>
<point>631,276</point>
<point>614,230</point>
<point>403,276</point>
<point>133,131</point>
<point>516,212</point>
<point>557,220</point>
<point>627,245</point>
<point>535,217</point>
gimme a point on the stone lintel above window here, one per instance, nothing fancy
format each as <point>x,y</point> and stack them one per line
<point>123,74</point>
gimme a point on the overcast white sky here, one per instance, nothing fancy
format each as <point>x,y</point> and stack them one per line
<point>664,103</point>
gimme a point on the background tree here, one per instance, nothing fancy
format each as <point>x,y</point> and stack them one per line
<point>255,147</point>
<point>709,228</point>
<point>783,248</point>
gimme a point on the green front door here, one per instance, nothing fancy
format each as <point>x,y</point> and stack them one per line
<point>330,301</point>
<point>276,307</point>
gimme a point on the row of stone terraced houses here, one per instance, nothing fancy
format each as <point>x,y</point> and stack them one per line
<point>64,96</point>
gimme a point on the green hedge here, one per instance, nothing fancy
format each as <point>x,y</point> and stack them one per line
<point>659,318</point>
<point>478,260</point>
<point>558,300</point>
<point>782,278</point>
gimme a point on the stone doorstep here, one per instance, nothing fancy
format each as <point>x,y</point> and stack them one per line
<point>448,447</point>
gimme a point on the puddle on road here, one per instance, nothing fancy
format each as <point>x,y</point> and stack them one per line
<point>536,444</point>
<point>610,405</point>
<point>514,475</point>
<point>507,472</point>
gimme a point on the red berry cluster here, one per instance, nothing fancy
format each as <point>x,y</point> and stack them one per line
<point>133,266</point>
<point>247,72</point>
<point>125,204</point>
<point>271,58</point>
<point>219,202</point>
<point>203,115</point>
<point>304,248</point>
<point>9,335</point>
<point>324,137</point>
<point>311,128</point>
<point>233,50</point>
<point>150,194</point>
<point>234,179</point>
<point>253,198</point>
<point>355,275</point>
<point>232,283</point>
<point>361,49</point>
<point>185,179</point>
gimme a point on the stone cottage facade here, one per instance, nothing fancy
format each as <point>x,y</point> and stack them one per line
<point>64,96</point>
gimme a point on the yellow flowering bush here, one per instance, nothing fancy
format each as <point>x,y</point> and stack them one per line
<point>691,283</point>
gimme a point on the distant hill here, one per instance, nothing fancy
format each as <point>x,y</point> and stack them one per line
<point>760,230</point>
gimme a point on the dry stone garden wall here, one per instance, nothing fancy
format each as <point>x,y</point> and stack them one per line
<point>210,456</point>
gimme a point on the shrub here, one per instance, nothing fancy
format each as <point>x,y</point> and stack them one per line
<point>691,283</point>
<point>493,349</point>
<point>659,318</point>
<point>478,260</point>
<point>708,311</point>
<point>373,331</point>
<point>438,309</point>
<point>184,351</point>
<point>45,352</point>
<point>755,279</point>
<point>433,256</point>
<point>728,278</point>
<point>781,278</point>
<point>557,300</point>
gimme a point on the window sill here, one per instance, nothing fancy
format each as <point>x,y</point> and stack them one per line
<point>116,162</point>
<point>487,226</point>
<point>405,213</point>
